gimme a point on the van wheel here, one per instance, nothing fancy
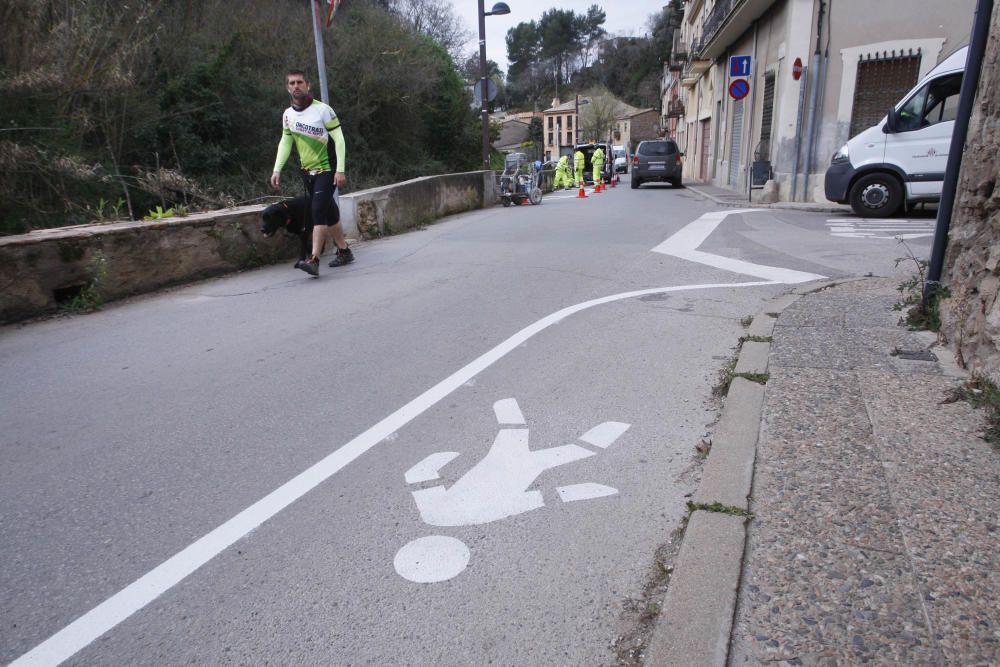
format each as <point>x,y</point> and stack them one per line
<point>876,196</point>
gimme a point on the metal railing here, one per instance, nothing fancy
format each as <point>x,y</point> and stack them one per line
<point>696,46</point>
<point>680,50</point>
<point>675,108</point>
<point>719,13</point>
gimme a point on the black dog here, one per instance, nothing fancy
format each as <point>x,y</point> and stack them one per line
<point>294,216</point>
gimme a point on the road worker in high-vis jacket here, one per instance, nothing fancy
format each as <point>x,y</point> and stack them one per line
<point>578,161</point>
<point>562,174</point>
<point>597,159</point>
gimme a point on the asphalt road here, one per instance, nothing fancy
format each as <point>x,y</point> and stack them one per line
<point>464,448</point>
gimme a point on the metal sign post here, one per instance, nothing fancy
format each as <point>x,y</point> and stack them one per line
<point>320,60</point>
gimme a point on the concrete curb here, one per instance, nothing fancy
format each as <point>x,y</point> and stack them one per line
<point>729,470</point>
<point>702,593</point>
<point>790,206</point>
<point>697,616</point>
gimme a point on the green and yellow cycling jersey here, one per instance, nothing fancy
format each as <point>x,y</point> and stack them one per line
<point>310,131</point>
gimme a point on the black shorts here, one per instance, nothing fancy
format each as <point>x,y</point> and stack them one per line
<point>320,190</point>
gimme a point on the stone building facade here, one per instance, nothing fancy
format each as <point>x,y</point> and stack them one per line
<point>809,75</point>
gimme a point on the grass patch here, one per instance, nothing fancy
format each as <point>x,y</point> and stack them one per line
<point>981,392</point>
<point>774,315</point>
<point>759,378</point>
<point>721,387</point>
<point>718,508</point>
<point>755,339</point>
<point>745,322</point>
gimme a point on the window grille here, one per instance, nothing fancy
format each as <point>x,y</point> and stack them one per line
<point>883,79</point>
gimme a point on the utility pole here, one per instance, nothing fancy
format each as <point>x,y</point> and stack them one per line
<point>320,59</point>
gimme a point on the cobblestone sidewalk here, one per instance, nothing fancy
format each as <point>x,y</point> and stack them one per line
<point>875,534</point>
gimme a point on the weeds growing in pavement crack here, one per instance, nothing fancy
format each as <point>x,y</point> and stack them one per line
<point>721,387</point>
<point>718,508</point>
<point>759,378</point>
<point>981,392</point>
<point>921,313</point>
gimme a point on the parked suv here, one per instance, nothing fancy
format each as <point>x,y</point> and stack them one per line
<point>657,160</point>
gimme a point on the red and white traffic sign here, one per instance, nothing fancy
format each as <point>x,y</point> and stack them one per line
<point>797,69</point>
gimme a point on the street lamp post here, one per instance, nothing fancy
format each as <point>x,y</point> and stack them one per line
<point>320,60</point>
<point>499,8</point>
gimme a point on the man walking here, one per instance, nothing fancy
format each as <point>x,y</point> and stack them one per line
<point>310,126</point>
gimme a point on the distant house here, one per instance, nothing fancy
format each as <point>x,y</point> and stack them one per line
<point>634,125</point>
<point>513,133</point>
<point>560,127</point>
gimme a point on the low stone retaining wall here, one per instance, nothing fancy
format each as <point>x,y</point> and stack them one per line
<point>42,270</point>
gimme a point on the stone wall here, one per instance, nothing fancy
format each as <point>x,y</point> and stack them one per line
<point>397,208</point>
<point>971,315</point>
<point>42,270</point>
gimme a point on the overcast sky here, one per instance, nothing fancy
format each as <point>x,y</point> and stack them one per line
<point>625,17</point>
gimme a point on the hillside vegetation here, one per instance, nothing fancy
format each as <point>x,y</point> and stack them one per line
<point>109,109</point>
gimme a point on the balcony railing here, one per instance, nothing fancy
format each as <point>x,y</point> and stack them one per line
<point>719,12</point>
<point>696,46</point>
<point>675,109</point>
<point>726,21</point>
<point>680,51</point>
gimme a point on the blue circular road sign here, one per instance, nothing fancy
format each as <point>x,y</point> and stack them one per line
<point>739,89</point>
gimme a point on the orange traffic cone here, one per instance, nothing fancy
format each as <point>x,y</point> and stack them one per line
<point>598,186</point>
<point>581,194</point>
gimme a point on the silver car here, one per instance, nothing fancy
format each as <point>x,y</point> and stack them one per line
<point>657,160</point>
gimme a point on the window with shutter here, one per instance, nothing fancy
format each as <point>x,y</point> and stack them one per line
<point>883,79</point>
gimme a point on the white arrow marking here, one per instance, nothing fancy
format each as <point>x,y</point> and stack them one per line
<point>684,245</point>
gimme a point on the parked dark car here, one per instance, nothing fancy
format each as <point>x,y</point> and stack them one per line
<point>657,160</point>
<point>588,168</point>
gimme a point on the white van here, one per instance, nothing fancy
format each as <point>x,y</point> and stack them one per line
<point>902,159</point>
<point>621,159</point>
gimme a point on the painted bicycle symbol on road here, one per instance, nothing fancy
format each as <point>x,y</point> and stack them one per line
<point>497,487</point>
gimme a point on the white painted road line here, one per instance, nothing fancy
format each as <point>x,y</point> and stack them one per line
<point>105,616</point>
<point>684,245</point>
<point>881,228</point>
<point>585,491</point>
